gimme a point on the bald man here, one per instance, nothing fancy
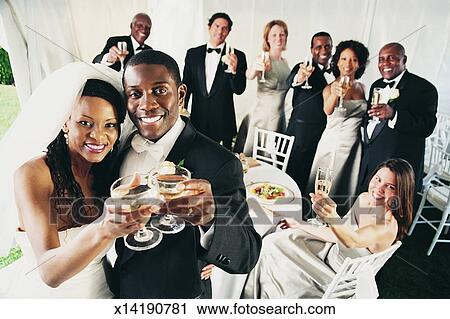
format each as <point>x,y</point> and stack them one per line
<point>406,112</point>
<point>140,28</point>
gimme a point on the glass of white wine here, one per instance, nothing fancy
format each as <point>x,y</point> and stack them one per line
<point>135,191</point>
<point>264,58</point>
<point>122,46</point>
<point>376,97</point>
<point>170,186</point>
<point>344,83</point>
<point>323,184</point>
<point>308,66</point>
<point>226,57</point>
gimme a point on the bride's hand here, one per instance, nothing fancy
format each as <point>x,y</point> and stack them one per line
<point>120,220</point>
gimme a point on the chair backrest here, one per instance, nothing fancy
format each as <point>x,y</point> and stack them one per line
<point>345,281</point>
<point>438,164</point>
<point>272,147</point>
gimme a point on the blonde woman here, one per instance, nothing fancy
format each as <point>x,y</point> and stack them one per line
<point>271,71</point>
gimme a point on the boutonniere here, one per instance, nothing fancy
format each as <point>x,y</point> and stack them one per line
<point>181,163</point>
<point>394,94</point>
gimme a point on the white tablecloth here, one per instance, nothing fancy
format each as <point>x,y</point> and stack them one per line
<point>227,286</point>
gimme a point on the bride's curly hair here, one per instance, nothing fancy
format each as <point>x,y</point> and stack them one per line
<point>67,190</point>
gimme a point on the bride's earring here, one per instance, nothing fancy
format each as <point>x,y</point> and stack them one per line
<point>66,136</point>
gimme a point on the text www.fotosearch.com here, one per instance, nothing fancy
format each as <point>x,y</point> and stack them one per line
<point>239,309</point>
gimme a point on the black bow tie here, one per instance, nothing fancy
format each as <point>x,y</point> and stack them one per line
<point>386,83</point>
<point>209,50</point>
<point>141,47</point>
<point>327,70</point>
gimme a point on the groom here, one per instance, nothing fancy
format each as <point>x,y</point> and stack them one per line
<point>219,231</point>
<point>407,114</point>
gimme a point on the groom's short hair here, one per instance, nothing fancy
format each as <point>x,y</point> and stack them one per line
<point>156,57</point>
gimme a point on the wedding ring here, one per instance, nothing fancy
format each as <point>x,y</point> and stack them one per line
<point>378,113</point>
<point>190,212</point>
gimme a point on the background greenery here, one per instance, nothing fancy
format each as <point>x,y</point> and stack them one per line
<point>6,76</point>
<point>9,108</point>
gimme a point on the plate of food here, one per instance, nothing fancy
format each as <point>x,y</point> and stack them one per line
<point>270,193</point>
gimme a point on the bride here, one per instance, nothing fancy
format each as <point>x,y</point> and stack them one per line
<point>75,114</point>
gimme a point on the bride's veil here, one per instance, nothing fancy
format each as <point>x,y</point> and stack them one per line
<point>37,125</point>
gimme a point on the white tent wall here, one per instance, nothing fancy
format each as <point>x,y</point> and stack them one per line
<point>43,35</point>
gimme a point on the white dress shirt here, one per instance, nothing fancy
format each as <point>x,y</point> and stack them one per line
<point>212,60</point>
<point>135,46</point>
<point>385,95</point>
<point>328,77</point>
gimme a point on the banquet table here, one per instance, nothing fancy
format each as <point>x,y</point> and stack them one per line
<point>265,218</point>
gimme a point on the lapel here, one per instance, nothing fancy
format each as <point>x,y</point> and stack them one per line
<point>380,125</point>
<point>318,77</point>
<point>394,104</point>
<point>183,143</point>
<point>219,73</point>
<point>378,128</point>
<point>178,152</point>
<point>201,69</point>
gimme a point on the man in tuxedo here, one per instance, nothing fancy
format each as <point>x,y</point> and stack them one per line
<point>211,87</point>
<point>140,30</point>
<point>218,230</point>
<point>406,112</point>
<point>308,119</point>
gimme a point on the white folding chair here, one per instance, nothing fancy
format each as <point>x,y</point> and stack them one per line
<point>437,193</point>
<point>272,147</point>
<point>347,283</point>
<point>440,137</point>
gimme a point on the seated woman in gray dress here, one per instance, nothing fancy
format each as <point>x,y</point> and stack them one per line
<point>339,147</point>
<point>301,260</point>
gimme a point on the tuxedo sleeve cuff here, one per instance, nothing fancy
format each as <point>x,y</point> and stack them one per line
<point>206,237</point>
<point>294,81</point>
<point>393,121</point>
<point>105,60</point>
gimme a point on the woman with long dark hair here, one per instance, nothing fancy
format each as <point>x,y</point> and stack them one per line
<point>301,260</point>
<point>59,193</point>
<point>340,147</point>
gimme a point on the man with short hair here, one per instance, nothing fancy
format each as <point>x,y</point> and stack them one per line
<point>308,120</point>
<point>211,87</point>
<point>140,30</point>
<point>218,230</point>
<point>406,114</point>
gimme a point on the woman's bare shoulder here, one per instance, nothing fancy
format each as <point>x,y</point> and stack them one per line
<point>360,90</point>
<point>34,172</point>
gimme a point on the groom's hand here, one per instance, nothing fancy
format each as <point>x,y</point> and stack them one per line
<point>195,204</point>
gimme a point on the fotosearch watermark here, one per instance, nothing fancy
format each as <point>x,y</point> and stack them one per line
<point>228,210</point>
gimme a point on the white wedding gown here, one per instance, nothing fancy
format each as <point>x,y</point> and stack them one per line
<point>89,283</point>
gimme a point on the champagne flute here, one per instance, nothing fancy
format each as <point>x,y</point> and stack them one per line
<point>323,184</point>
<point>344,83</point>
<point>376,97</point>
<point>264,57</point>
<point>230,50</point>
<point>122,46</point>
<point>308,66</point>
<point>137,190</point>
<point>170,180</point>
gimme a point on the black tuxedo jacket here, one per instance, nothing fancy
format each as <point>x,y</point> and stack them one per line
<point>213,113</point>
<point>416,109</point>
<point>172,269</point>
<point>307,122</point>
<point>113,41</point>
